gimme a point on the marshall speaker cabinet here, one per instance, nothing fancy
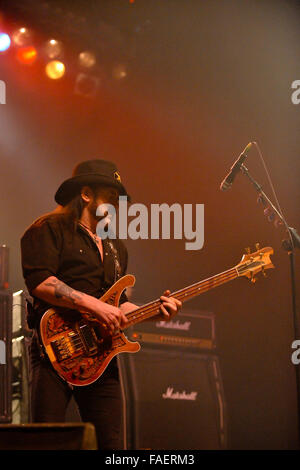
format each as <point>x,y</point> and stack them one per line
<point>172,388</point>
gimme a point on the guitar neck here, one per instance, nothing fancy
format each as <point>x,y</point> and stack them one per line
<point>151,309</point>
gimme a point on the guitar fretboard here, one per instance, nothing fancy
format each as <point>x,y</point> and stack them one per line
<point>152,308</point>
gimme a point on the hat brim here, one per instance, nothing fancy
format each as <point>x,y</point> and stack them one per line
<point>71,187</point>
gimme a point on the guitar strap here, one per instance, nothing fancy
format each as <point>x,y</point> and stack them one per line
<point>107,245</point>
<point>115,256</point>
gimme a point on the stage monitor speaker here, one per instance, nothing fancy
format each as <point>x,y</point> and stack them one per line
<point>48,436</point>
<point>5,356</point>
<point>173,400</point>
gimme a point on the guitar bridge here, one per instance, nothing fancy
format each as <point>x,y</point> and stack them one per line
<point>88,336</point>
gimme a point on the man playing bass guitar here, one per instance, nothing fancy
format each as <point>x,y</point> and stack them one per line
<point>65,264</point>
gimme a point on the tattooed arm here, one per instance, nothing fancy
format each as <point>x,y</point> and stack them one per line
<point>56,292</point>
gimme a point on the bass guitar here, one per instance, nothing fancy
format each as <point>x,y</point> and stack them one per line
<point>80,349</point>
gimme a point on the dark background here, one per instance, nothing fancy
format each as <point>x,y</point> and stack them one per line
<point>206,78</point>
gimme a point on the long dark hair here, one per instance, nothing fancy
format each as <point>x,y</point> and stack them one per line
<point>71,212</point>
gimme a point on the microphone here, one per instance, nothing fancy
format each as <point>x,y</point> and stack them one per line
<point>228,180</point>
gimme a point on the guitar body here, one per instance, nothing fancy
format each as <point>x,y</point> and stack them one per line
<point>80,349</point>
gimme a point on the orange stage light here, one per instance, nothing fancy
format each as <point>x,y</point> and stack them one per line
<point>55,69</point>
<point>27,55</point>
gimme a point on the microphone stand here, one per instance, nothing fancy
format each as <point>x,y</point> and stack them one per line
<point>289,246</point>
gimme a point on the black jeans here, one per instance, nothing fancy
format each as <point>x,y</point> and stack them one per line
<point>99,403</point>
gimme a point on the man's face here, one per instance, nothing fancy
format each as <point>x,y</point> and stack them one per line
<point>105,195</point>
<point>108,195</point>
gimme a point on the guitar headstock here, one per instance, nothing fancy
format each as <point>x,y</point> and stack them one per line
<point>253,263</point>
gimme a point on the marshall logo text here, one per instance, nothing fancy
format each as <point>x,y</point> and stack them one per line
<point>179,395</point>
<point>176,325</point>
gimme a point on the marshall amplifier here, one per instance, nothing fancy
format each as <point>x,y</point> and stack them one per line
<point>173,399</point>
<point>186,330</point>
<point>5,356</point>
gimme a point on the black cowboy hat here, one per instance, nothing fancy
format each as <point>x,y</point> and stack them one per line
<point>90,172</point>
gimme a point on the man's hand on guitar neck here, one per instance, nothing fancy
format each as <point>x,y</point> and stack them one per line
<point>169,307</point>
<point>57,293</point>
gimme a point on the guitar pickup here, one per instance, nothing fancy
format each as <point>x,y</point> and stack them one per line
<point>60,349</point>
<point>89,339</point>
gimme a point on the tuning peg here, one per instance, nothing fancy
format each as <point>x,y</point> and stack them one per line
<point>257,246</point>
<point>253,279</point>
<point>248,251</point>
<point>263,271</point>
<point>261,200</point>
<point>270,214</point>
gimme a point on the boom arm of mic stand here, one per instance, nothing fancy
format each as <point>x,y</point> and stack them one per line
<point>294,241</point>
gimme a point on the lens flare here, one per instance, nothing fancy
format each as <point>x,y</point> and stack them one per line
<point>22,37</point>
<point>87,59</point>
<point>53,48</point>
<point>119,72</point>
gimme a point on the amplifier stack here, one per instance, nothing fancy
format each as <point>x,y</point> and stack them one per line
<point>172,388</point>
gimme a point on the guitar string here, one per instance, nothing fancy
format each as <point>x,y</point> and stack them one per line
<point>183,293</point>
<point>149,310</point>
<point>186,291</point>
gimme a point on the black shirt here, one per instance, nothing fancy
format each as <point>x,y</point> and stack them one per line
<point>51,247</point>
